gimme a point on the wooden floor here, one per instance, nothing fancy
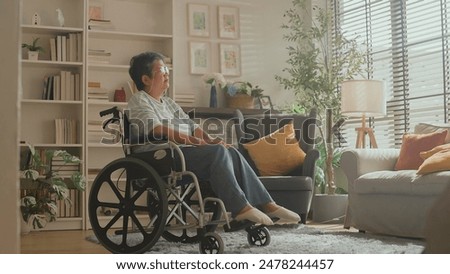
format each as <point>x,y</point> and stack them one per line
<point>73,241</point>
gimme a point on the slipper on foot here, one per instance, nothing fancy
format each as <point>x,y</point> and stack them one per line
<point>255,216</point>
<point>285,216</point>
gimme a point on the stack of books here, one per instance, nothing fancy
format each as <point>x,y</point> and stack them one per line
<point>96,93</point>
<point>64,169</point>
<point>95,131</point>
<point>99,56</point>
<point>100,24</point>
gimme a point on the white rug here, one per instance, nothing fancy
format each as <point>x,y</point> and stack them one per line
<point>301,240</point>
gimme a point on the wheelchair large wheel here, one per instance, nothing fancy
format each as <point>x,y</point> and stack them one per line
<point>135,195</point>
<point>188,235</point>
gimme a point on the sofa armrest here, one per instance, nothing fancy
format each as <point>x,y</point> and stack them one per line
<point>356,162</point>
<point>309,165</point>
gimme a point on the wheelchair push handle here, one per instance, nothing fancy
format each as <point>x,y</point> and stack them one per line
<point>114,111</point>
<point>116,115</point>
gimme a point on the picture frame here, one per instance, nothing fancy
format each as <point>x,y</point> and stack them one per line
<point>265,102</point>
<point>95,10</point>
<point>228,22</point>
<point>230,59</point>
<point>198,20</point>
<point>199,57</point>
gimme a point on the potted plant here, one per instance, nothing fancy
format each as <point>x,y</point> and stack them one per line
<point>241,94</point>
<point>45,185</point>
<point>33,49</point>
<point>237,94</point>
<point>318,63</point>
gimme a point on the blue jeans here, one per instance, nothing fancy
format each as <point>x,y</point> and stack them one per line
<point>231,178</point>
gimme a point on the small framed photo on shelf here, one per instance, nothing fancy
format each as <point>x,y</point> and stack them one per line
<point>230,59</point>
<point>96,10</point>
<point>199,57</point>
<point>198,20</point>
<point>265,102</point>
<point>228,22</point>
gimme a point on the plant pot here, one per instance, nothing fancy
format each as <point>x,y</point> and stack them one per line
<point>239,101</point>
<point>33,55</point>
<point>329,208</point>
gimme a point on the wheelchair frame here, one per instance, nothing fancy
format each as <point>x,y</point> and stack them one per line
<point>142,204</point>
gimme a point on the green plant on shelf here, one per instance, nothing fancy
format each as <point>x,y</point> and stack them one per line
<point>39,206</point>
<point>33,46</point>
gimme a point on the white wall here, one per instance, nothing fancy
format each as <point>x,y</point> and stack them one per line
<point>263,50</point>
<point>9,117</point>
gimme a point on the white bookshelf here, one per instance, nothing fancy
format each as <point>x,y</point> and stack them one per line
<point>153,31</point>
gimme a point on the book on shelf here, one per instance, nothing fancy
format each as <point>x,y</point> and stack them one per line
<point>100,24</point>
<point>99,94</point>
<point>53,49</point>
<point>65,86</point>
<point>66,131</point>
<point>67,48</point>
<point>99,56</point>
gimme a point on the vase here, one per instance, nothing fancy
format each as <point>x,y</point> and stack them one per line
<point>213,97</point>
<point>120,96</point>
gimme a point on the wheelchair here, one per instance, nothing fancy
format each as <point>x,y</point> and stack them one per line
<point>137,199</point>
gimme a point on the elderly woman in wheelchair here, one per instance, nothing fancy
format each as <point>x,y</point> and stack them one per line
<point>169,208</point>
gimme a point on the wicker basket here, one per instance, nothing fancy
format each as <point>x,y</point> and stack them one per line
<point>239,101</point>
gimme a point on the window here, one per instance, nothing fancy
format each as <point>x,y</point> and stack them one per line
<point>407,47</point>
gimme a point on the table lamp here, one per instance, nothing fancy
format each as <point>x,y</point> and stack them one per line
<point>363,98</point>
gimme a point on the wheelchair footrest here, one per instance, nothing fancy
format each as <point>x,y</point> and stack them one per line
<point>238,225</point>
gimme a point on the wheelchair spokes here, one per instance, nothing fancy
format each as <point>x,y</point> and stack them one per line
<point>138,204</point>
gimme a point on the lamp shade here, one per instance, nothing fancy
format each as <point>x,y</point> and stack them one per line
<point>363,97</point>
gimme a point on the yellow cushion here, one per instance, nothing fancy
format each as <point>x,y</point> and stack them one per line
<point>277,153</point>
<point>427,154</point>
<point>439,161</point>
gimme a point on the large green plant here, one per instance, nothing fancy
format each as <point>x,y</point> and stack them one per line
<point>320,59</point>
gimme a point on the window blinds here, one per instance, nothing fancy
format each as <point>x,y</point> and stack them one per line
<point>407,47</point>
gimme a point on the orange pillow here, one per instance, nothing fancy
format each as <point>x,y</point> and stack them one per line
<point>413,144</point>
<point>277,153</point>
<point>439,161</point>
<point>427,154</point>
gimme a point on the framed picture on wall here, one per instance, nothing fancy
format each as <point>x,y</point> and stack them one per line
<point>230,59</point>
<point>199,57</point>
<point>228,22</point>
<point>265,102</point>
<point>198,20</point>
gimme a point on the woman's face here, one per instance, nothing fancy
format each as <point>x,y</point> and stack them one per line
<point>160,79</point>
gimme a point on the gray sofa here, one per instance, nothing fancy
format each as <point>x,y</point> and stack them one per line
<point>385,201</point>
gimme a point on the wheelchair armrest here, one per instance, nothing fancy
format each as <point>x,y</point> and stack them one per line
<point>162,145</point>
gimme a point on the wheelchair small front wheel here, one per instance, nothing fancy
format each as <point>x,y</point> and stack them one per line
<point>211,243</point>
<point>259,236</point>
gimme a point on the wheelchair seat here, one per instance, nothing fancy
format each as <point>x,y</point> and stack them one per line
<point>151,194</point>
